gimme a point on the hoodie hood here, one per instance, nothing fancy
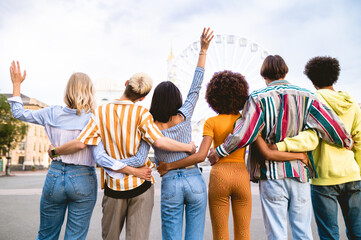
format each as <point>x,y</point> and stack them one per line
<point>340,102</point>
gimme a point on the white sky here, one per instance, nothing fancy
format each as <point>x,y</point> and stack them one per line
<point>114,38</point>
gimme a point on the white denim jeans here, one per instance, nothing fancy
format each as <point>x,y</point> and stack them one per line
<point>286,198</point>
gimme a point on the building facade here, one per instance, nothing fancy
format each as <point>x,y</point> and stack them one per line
<point>32,152</point>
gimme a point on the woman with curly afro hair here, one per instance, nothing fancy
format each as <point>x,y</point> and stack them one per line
<point>226,94</point>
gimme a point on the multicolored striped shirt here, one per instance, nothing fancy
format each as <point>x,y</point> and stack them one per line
<point>121,125</point>
<point>278,111</point>
<point>182,132</point>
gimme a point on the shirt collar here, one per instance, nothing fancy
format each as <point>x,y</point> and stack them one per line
<point>278,82</point>
<point>69,110</point>
<point>118,101</point>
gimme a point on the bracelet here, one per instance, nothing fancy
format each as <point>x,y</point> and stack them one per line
<point>202,53</point>
<point>53,153</point>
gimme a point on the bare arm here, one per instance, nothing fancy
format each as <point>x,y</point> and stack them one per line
<point>163,168</point>
<point>276,155</point>
<point>142,172</point>
<point>171,145</point>
<point>70,147</point>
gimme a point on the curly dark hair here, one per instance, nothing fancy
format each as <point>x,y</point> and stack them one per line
<point>322,71</point>
<point>227,92</point>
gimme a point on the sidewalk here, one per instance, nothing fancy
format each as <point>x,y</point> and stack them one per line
<point>20,198</point>
<point>25,173</point>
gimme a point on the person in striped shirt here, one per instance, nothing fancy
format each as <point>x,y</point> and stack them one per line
<point>188,189</point>
<point>338,169</point>
<point>278,111</point>
<point>183,190</point>
<point>121,125</point>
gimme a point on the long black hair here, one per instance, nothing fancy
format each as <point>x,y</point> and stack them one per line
<point>166,101</point>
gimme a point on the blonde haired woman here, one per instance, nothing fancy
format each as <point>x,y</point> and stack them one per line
<point>71,180</point>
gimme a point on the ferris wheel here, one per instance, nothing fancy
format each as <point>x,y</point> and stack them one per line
<point>226,52</point>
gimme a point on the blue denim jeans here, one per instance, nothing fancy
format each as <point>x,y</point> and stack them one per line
<point>72,187</point>
<point>286,198</point>
<point>324,201</point>
<point>183,190</point>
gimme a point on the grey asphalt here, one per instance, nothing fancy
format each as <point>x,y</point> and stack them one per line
<point>20,198</point>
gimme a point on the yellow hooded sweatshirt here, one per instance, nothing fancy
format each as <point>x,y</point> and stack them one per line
<point>334,164</point>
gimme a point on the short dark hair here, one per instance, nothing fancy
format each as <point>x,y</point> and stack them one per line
<point>274,67</point>
<point>322,71</point>
<point>166,101</point>
<point>227,92</point>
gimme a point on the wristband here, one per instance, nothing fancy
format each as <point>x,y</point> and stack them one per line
<point>53,153</point>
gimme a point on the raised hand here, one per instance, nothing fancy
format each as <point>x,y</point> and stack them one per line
<point>15,73</point>
<point>16,77</point>
<point>206,39</point>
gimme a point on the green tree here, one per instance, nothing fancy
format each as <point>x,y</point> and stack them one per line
<point>12,130</point>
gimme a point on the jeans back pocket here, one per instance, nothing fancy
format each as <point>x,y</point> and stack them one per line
<point>84,184</point>
<point>49,184</point>
<point>168,188</point>
<point>196,183</point>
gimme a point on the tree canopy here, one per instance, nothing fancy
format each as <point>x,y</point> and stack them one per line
<point>12,130</point>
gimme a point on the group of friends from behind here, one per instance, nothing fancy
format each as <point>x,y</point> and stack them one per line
<point>294,137</point>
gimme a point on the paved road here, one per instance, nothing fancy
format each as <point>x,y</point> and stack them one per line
<point>19,210</point>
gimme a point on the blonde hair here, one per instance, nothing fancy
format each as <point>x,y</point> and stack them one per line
<point>79,93</point>
<point>139,85</point>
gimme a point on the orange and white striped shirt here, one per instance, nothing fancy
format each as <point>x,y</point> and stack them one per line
<point>120,125</point>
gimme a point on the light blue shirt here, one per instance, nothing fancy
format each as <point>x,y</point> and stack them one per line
<point>62,124</point>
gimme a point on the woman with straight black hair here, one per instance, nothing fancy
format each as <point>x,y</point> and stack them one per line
<point>166,101</point>
<point>183,189</point>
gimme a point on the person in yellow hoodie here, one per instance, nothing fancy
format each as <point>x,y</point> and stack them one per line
<point>338,169</point>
